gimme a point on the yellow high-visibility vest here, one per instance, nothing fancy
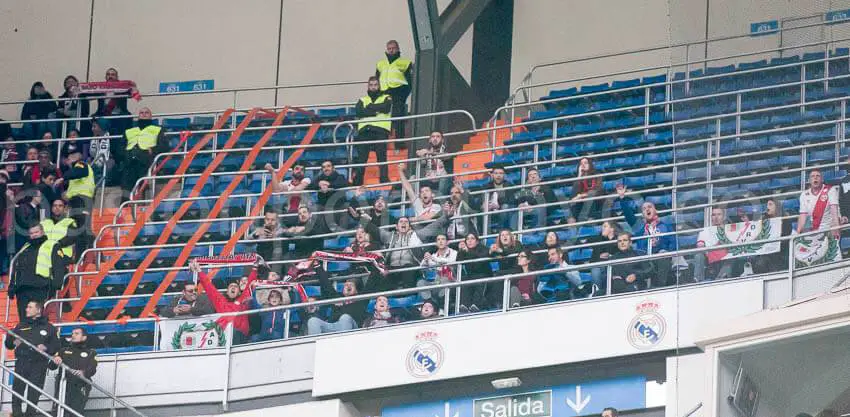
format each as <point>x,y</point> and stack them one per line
<point>44,260</point>
<point>58,230</point>
<point>392,74</point>
<point>145,138</point>
<point>82,186</point>
<point>380,120</point>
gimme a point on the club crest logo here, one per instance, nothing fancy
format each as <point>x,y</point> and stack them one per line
<point>648,327</point>
<point>426,356</point>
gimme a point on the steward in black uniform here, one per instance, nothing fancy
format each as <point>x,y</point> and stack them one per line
<point>30,364</point>
<point>83,362</point>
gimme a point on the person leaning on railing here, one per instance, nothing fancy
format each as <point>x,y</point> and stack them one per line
<point>29,364</point>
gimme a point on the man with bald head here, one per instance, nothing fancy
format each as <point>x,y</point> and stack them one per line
<point>143,143</point>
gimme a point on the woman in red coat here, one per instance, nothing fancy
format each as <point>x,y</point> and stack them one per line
<point>233,300</point>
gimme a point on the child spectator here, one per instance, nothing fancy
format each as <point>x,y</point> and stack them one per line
<point>273,322</point>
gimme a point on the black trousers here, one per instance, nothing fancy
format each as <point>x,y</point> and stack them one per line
<point>34,371</point>
<point>370,133</point>
<point>135,166</point>
<point>27,294</point>
<point>399,96</point>
<point>76,394</point>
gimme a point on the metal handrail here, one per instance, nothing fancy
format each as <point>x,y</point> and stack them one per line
<point>478,281</point>
<point>40,390</point>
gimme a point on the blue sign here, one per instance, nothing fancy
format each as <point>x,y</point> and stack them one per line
<point>837,16</point>
<point>764,28</point>
<point>627,393</point>
<point>181,86</point>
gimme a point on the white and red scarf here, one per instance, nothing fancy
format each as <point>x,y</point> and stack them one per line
<point>111,87</point>
<point>821,205</point>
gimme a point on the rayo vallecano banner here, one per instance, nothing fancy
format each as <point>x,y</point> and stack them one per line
<point>191,333</point>
<point>743,232</point>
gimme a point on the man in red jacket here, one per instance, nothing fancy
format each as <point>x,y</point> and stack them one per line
<point>233,300</point>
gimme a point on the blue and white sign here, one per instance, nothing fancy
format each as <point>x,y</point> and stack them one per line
<point>627,393</point>
<point>836,16</point>
<point>764,28</point>
<point>182,86</point>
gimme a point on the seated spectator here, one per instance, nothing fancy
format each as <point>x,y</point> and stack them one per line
<point>556,260</point>
<point>40,106</point>
<point>273,322</point>
<point>606,245</point>
<point>50,188</point>
<point>362,242</point>
<point>503,248</point>
<point>523,289</point>
<point>298,182</point>
<point>405,251</point>
<point>474,298</point>
<point>330,199</point>
<point>532,195</point>
<point>48,144</point>
<point>382,315</point>
<point>31,171</point>
<point>650,226</point>
<point>233,300</point>
<point>498,198</point>
<point>775,261</point>
<point>377,212</point>
<point>428,310</point>
<point>461,223</point>
<point>328,173</point>
<point>424,207</point>
<point>551,240</point>
<point>271,250</point>
<point>188,303</point>
<point>711,265</point>
<point>343,315</point>
<point>439,271</point>
<point>71,144</point>
<point>584,188</point>
<point>307,224</point>
<point>629,277</point>
<point>102,151</point>
<point>433,163</point>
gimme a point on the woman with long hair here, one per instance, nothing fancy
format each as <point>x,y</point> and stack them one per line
<point>506,244</point>
<point>40,106</point>
<point>583,189</point>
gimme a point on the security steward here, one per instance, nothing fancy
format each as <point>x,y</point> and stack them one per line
<point>60,228</point>
<point>144,142</point>
<point>373,113</point>
<point>39,270</point>
<point>83,363</point>
<point>31,365</point>
<point>80,196</point>
<point>396,76</point>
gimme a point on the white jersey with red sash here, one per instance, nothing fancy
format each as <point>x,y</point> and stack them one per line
<point>817,206</point>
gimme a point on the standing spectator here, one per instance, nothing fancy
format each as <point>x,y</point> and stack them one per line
<point>585,188</point>
<point>498,198</point>
<point>381,315</point>
<point>329,174</point>
<point>503,249</point>
<point>396,75</point>
<point>188,303</point>
<point>711,265</point>
<point>473,298</point>
<point>31,364</point>
<point>461,223</point>
<point>343,315</point>
<point>439,270</point>
<point>273,250</point>
<point>433,163</point>
<point>8,160</point>
<point>523,289</point>
<point>820,203</point>
<point>424,207</point>
<point>233,300</point>
<point>27,215</point>
<point>629,277</point>
<point>306,226</point>
<point>60,228</point>
<point>72,106</point>
<point>107,105</point>
<point>273,322</point>
<point>81,187</point>
<point>650,227</point>
<point>144,142</point>
<point>605,246</point>
<point>775,261</point>
<point>39,270</point>
<point>40,106</point>
<point>535,194</point>
<point>102,152</point>
<point>373,124</point>
<point>82,361</point>
<point>298,182</point>
<point>377,213</point>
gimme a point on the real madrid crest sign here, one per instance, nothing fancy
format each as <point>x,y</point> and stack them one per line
<point>648,327</point>
<point>426,356</point>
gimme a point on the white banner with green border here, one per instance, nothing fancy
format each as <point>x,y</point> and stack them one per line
<point>191,333</point>
<point>744,232</point>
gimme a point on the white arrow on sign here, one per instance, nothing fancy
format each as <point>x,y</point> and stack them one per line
<point>448,411</point>
<point>580,402</point>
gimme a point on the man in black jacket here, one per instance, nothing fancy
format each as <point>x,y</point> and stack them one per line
<point>29,364</point>
<point>373,112</point>
<point>632,276</point>
<point>344,315</point>
<point>83,363</point>
<point>39,270</point>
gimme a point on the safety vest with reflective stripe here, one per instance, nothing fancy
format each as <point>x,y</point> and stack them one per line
<point>56,231</point>
<point>145,138</point>
<point>392,74</point>
<point>44,260</point>
<point>380,120</point>
<point>82,186</point>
